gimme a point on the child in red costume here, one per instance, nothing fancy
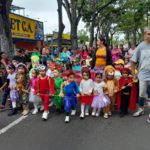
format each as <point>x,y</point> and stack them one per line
<point>127,95</point>
<point>44,88</point>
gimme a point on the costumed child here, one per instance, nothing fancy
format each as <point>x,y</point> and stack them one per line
<point>35,60</point>
<point>14,96</point>
<point>127,95</point>
<point>100,100</point>
<point>44,87</point>
<point>112,86</point>
<point>58,82</point>
<point>88,61</point>
<point>33,98</point>
<point>70,92</point>
<point>22,81</point>
<point>86,89</point>
<point>119,64</point>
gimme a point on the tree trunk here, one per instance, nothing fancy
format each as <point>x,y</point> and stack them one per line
<point>74,37</point>
<point>60,22</point>
<point>92,33</point>
<point>6,44</point>
<point>134,37</point>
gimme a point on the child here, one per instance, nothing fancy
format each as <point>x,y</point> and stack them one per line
<point>14,96</point>
<point>128,93</point>
<point>88,61</point>
<point>100,99</point>
<point>86,89</point>
<point>118,66</point>
<point>70,92</point>
<point>58,82</point>
<point>44,87</point>
<point>22,81</point>
<point>32,97</point>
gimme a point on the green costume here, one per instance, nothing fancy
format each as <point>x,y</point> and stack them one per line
<point>57,98</point>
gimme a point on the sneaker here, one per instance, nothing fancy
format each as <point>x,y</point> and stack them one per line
<point>25,112</point>
<point>13,112</point>
<point>148,120</point>
<point>97,114</point>
<point>93,113</point>
<point>67,119</point>
<point>139,112</point>
<point>109,114</point>
<point>45,115</point>
<point>73,112</point>
<point>82,116</point>
<point>35,111</point>
<point>87,114</point>
<point>106,116</point>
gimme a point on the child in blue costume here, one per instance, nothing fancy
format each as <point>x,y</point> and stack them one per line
<point>70,92</point>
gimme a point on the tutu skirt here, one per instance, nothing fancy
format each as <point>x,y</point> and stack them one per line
<point>31,96</point>
<point>86,100</point>
<point>100,101</point>
<point>14,95</point>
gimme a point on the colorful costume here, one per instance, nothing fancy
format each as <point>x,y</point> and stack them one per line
<point>57,98</point>
<point>70,99</point>
<point>126,97</point>
<point>35,64</point>
<point>45,87</point>
<point>112,88</point>
<point>100,100</point>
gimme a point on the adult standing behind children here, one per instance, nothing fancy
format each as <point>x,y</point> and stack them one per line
<point>142,58</point>
<point>102,56</point>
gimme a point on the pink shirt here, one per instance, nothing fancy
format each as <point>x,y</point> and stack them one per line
<point>115,54</point>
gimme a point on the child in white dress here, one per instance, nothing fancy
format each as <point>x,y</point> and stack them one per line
<point>100,100</point>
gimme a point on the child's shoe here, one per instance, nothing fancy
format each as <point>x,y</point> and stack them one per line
<point>82,116</point>
<point>45,115</point>
<point>35,111</point>
<point>73,112</point>
<point>93,113</point>
<point>67,119</point>
<point>106,116</point>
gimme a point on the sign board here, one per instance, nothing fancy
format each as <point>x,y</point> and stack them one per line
<point>25,28</point>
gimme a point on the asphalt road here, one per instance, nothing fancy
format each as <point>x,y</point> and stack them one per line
<point>116,133</point>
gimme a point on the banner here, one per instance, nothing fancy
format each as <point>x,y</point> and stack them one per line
<point>25,28</point>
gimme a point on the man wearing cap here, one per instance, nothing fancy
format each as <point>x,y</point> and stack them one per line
<point>141,57</point>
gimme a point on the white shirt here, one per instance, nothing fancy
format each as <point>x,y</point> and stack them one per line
<point>98,87</point>
<point>86,86</point>
<point>49,73</point>
<point>12,80</point>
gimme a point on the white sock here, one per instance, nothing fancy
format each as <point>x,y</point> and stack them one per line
<point>87,109</point>
<point>13,104</point>
<point>35,106</point>
<point>94,110</point>
<point>98,111</point>
<point>82,108</point>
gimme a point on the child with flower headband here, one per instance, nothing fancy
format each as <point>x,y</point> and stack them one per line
<point>44,87</point>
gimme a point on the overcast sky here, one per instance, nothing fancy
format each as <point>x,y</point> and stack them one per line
<point>46,11</point>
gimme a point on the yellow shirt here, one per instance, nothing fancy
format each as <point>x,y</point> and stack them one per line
<point>100,58</point>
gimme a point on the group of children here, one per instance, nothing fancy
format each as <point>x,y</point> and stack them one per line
<point>41,86</point>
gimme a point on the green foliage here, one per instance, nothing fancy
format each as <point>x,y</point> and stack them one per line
<point>83,36</point>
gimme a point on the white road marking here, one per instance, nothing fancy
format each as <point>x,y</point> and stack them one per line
<point>5,129</point>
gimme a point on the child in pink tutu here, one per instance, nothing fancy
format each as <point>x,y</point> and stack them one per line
<point>100,100</point>
<point>86,90</point>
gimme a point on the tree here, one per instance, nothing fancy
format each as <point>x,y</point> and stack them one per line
<point>60,22</point>
<point>83,37</point>
<point>5,30</point>
<point>74,9</point>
